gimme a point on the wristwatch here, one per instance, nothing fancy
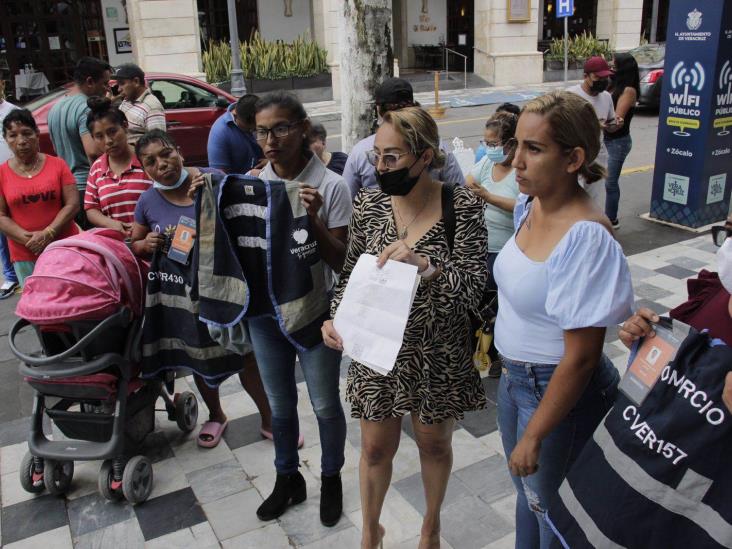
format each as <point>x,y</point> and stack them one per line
<point>429,270</point>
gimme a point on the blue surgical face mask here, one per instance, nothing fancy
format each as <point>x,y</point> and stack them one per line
<point>479,153</point>
<point>181,179</point>
<point>496,154</point>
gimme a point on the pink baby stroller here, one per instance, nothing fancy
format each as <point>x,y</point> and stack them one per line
<point>85,302</point>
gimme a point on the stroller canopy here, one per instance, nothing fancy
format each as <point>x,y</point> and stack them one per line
<point>85,277</point>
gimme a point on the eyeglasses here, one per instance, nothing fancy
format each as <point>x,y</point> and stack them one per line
<point>388,159</point>
<point>279,131</point>
<point>490,143</point>
<point>720,233</point>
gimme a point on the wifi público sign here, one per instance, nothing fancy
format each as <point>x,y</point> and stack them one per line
<point>692,179</point>
<point>686,84</point>
<point>723,108</point>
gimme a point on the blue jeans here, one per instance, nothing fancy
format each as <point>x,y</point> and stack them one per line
<point>8,271</point>
<point>321,368</point>
<point>617,150</point>
<point>522,387</point>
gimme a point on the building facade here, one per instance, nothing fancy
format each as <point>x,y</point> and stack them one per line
<point>500,40</point>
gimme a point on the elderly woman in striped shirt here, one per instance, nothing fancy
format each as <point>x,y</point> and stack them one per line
<point>116,180</point>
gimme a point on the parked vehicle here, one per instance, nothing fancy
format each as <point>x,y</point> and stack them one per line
<point>191,107</point>
<point>650,58</point>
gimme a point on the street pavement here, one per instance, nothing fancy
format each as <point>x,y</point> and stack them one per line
<point>208,498</point>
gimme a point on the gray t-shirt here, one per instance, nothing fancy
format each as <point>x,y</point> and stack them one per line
<point>337,206</point>
<point>602,102</point>
<point>66,124</point>
<point>603,105</point>
<point>359,172</point>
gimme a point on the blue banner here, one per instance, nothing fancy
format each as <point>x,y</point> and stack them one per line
<point>693,170</point>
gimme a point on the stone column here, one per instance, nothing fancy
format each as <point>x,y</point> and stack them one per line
<point>619,21</point>
<point>325,23</point>
<point>505,53</point>
<point>165,35</point>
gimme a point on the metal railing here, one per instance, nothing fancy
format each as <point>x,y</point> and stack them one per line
<point>465,65</point>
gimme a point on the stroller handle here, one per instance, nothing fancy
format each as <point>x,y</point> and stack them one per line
<point>53,371</point>
<point>121,318</point>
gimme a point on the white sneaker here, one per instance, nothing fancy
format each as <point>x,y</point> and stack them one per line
<point>7,289</point>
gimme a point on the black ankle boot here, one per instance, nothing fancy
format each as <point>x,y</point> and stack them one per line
<point>331,500</point>
<point>288,490</point>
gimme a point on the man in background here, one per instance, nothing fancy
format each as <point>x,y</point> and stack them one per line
<point>231,144</point>
<point>393,94</point>
<point>593,89</point>
<point>144,111</point>
<point>67,123</point>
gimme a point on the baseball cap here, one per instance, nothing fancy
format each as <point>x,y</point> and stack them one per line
<point>129,71</point>
<point>393,90</point>
<point>598,66</point>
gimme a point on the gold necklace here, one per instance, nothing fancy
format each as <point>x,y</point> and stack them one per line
<point>405,231</point>
<point>33,168</point>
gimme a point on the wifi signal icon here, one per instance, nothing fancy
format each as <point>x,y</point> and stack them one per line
<point>724,98</point>
<point>725,77</point>
<point>683,77</point>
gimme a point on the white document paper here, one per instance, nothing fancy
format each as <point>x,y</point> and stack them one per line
<point>373,313</point>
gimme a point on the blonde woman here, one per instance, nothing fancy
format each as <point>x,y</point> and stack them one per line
<point>433,380</point>
<point>562,279</point>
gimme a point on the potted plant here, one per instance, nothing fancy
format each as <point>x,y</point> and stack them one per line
<point>270,65</point>
<point>554,56</point>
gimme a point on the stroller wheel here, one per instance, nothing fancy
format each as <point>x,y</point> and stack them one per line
<point>186,411</point>
<point>105,482</point>
<point>57,476</point>
<point>137,481</point>
<point>27,468</point>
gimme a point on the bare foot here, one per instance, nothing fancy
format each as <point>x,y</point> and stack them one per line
<point>367,543</point>
<point>429,538</point>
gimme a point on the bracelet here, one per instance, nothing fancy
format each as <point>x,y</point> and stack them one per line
<point>51,232</point>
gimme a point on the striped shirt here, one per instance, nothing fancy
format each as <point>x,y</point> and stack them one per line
<point>115,196</point>
<point>143,114</point>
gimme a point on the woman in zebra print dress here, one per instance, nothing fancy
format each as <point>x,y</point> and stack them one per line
<point>433,379</point>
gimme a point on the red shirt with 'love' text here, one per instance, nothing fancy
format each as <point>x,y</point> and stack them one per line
<point>34,203</point>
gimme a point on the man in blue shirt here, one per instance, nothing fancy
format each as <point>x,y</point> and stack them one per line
<point>231,145</point>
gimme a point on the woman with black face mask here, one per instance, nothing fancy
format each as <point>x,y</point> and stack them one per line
<point>433,380</point>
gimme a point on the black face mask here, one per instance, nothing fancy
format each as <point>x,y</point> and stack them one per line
<point>398,182</point>
<point>599,86</point>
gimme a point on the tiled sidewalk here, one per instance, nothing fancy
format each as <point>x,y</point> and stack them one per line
<point>207,498</point>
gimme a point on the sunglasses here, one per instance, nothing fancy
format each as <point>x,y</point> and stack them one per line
<point>720,233</point>
<point>390,160</point>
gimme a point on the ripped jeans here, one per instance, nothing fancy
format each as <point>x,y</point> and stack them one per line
<point>521,388</point>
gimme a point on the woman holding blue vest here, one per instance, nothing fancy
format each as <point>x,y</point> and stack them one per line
<point>282,130</point>
<point>562,280</point>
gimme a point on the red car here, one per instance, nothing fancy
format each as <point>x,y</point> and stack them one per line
<point>191,107</point>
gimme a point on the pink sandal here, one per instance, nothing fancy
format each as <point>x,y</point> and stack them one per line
<point>268,435</point>
<point>212,429</point>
